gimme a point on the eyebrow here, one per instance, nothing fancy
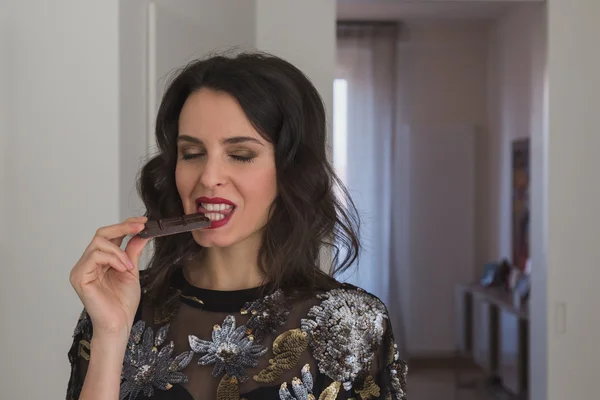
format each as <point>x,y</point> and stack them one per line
<point>230,140</point>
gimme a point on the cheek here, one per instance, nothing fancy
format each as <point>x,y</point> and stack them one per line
<point>184,182</point>
<point>262,189</point>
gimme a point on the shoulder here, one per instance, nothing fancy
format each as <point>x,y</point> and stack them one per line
<point>346,297</point>
<point>346,329</point>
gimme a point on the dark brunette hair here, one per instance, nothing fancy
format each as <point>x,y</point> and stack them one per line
<point>286,109</point>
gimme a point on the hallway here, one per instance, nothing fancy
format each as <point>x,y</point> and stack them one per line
<point>437,384</point>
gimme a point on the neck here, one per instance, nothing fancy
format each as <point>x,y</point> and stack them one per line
<point>230,268</point>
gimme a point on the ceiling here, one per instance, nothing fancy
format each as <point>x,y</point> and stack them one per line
<point>421,9</point>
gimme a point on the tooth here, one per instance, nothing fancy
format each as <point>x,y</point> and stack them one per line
<point>222,207</point>
<point>211,207</point>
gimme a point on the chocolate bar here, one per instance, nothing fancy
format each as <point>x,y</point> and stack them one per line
<point>171,226</point>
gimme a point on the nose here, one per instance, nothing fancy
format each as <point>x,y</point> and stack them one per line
<point>213,173</point>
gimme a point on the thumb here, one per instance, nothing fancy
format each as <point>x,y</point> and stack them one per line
<point>134,249</point>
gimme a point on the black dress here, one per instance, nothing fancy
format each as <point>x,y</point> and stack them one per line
<point>205,344</point>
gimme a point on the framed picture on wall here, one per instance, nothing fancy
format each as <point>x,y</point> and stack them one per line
<point>520,202</point>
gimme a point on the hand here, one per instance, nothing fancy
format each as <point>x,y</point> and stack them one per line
<point>107,279</point>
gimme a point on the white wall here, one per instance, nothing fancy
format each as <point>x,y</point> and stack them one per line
<point>77,80</point>
<point>3,121</point>
<point>573,198</point>
<point>564,225</point>
<point>442,93</point>
<point>539,230</point>
<point>514,65</point>
<point>517,62</point>
<point>282,28</point>
<point>133,87</point>
<point>63,178</point>
<point>303,33</point>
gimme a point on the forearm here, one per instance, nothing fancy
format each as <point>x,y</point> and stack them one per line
<point>103,377</point>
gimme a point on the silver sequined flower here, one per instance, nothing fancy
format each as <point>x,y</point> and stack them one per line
<point>146,368</point>
<point>345,331</point>
<point>303,388</point>
<point>231,350</point>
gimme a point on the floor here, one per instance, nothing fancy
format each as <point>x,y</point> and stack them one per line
<point>438,384</point>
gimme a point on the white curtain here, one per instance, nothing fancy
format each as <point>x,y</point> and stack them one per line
<point>364,133</point>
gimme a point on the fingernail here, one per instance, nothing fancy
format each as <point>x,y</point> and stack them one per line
<point>130,265</point>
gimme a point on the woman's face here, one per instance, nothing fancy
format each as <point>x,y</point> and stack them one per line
<point>225,169</point>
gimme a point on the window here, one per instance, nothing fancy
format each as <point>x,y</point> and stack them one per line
<point>340,128</point>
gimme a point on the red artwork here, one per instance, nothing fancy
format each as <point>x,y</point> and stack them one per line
<point>520,202</point>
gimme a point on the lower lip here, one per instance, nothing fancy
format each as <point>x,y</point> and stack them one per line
<point>219,223</point>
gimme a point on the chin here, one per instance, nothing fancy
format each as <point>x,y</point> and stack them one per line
<point>208,241</point>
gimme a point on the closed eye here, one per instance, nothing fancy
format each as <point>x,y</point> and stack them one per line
<point>238,158</point>
<point>190,156</point>
<point>244,159</point>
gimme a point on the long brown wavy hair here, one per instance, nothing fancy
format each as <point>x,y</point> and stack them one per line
<point>286,109</point>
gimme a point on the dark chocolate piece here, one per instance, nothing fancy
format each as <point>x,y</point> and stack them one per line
<point>171,226</point>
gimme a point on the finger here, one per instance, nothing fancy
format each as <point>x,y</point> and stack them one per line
<point>105,245</point>
<point>116,233</point>
<point>95,264</point>
<point>103,259</point>
<point>134,251</point>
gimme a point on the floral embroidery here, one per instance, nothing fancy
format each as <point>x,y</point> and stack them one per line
<point>145,367</point>
<point>303,388</point>
<point>84,326</point>
<point>84,349</point>
<point>287,349</point>
<point>331,391</point>
<point>345,331</point>
<point>82,335</point>
<point>231,350</point>
<point>228,388</point>
<point>398,371</point>
<point>268,314</point>
<point>369,390</point>
<point>169,308</point>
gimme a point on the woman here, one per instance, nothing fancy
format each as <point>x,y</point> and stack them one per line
<point>241,309</point>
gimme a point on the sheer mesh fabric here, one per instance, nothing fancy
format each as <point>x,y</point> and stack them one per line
<point>198,312</point>
<point>201,384</point>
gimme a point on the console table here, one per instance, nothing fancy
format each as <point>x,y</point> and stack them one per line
<point>495,334</point>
